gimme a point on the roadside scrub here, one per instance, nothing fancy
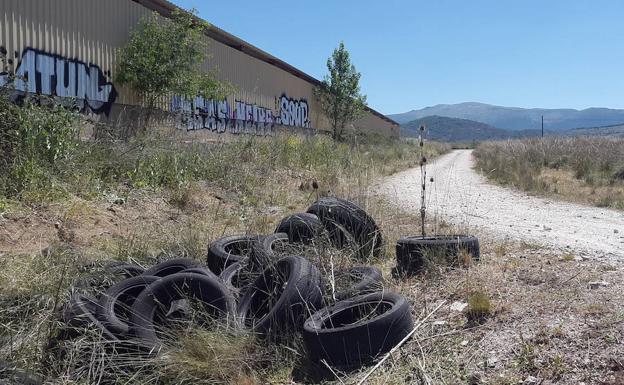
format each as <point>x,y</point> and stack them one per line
<point>580,169</point>
<point>149,199</point>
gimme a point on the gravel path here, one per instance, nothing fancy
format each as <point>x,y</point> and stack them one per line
<point>461,196</point>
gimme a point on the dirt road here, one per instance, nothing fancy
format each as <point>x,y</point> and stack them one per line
<point>462,196</point>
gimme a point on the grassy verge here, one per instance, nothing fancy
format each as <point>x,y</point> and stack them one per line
<point>537,317</point>
<point>584,170</point>
<point>153,199</point>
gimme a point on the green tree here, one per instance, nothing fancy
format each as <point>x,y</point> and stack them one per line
<point>339,94</point>
<point>164,57</point>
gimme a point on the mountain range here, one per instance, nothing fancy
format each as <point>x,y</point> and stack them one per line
<point>447,129</point>
<point>516,119</point>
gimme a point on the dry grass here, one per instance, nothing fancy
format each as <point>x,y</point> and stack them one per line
<point>586,170</point>
<point>543,319</point>
<point>47,244</point>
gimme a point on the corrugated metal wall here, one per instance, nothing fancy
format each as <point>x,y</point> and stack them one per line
<point>87,30</point>
<point>91,30</point>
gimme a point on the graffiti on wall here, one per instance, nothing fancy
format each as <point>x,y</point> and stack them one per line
<point>53,75</point>
<point>293,112</point>
<point>218,116</point>
<point>240,117</point>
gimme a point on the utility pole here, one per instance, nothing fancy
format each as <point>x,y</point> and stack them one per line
<point>542,126</point>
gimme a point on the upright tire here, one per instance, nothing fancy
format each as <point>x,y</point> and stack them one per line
<point>348,223</point>
<point>279,300</point>
<point>353,332</point>
<point>149,311</point>
<point>116,303</point>
<point>301,228</point>
<point>414,253</point>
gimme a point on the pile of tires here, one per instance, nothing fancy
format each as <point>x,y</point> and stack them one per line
<point>246,284</point>
<point>139,310</point>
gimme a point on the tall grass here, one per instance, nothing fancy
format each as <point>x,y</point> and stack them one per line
<point>559,165</point>
<point>242,166</point>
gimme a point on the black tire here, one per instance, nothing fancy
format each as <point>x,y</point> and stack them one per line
<point>9,374</point>
<point>171,266</point>
<point>265,255</point>
<point>104,274</point>
<point>301,228</point>
<point>80,314</point>
<point>127,270</point>
<point>362,279</point>
<point>255,250</point>
<point>235,278</point>
<point>228,250</point>
<point>346,336</point>
<point>280,298</point>
<point>348,224</point>
<point>150,308</point>
<point>200,270</point>
<point>415,253</point>
<point>116,303</point>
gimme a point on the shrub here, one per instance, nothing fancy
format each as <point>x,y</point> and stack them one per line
<point>34,137</point>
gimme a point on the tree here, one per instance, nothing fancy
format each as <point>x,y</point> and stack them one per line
<point>339,94</point>
<point>164,57</point>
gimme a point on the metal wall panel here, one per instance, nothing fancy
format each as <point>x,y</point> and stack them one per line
<point>90,31</point>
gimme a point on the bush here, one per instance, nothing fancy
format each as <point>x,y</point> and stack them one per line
<point>34,137</point>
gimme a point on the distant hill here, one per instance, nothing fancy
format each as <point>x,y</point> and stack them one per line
<point>616,130</point>
<point>515,119</point>
<point>454,130</point>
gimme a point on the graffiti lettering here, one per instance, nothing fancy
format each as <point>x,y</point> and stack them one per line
<point>240,117</point>
<point>293,112</point>
<point>218,116</point>
<point>53,75</point>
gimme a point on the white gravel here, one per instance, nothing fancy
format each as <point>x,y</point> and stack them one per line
<point>461,196</point>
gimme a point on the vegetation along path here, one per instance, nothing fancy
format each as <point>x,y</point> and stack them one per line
<point>463,197</point>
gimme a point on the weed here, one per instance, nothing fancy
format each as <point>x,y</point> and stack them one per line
<point>527,357</point>
<point>479,307</point>
<point>207,357</point>
<point>567,257</point>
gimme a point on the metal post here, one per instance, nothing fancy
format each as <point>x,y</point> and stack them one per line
<point>542,126</point>
<point>423,180</point>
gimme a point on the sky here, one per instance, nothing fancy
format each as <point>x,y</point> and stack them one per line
<point>414,54</point>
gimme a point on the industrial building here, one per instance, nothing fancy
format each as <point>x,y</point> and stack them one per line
<point>66,48</point>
